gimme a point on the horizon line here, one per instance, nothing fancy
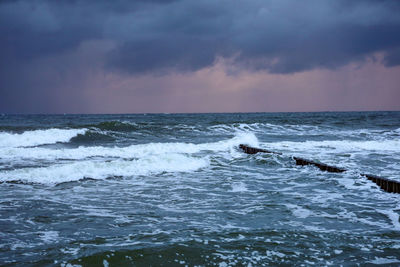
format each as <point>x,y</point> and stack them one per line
<point>199,113</point>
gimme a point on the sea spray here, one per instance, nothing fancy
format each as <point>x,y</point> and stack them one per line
<point>38,137</point>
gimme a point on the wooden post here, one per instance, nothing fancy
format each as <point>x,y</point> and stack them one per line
<point>321,166</point>
<point>387,185</point>
<point>253,150</point>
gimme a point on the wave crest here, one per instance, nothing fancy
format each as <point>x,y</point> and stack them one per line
<point>102,162</point>
<point>38,137</point>
<point>79,170</point>
<point>115,126</point>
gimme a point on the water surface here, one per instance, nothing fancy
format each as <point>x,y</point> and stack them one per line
<point>174,189</point>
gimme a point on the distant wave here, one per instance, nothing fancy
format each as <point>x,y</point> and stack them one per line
<point>92,136</point>
<point>123,126</point>
<point>340,146</point>
<point>38,137</point>
<point>301,130</point>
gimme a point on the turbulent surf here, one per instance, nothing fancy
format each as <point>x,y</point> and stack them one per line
<point>175,189</point>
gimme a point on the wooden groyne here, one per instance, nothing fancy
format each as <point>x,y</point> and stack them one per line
<point>321,166</point>
<point>253,150</point>
<point>387,185</point>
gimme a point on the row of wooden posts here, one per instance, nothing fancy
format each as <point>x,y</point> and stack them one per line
<point>387,185</point>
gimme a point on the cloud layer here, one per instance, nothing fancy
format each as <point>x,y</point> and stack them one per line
<point>46,44</point>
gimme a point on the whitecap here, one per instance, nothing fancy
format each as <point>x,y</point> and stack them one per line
<point>239,187</point>
<point>75,171</point>
<point>38,137</point>
<point>129,152</point>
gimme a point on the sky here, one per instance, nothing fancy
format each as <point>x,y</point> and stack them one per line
<point>178,56</point>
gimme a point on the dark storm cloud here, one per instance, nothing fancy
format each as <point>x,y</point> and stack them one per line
<point>160,36</point>
<point>392,57</point>
<point>279,36</point>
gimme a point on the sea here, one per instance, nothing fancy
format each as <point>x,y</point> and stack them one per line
<point>176,190</point>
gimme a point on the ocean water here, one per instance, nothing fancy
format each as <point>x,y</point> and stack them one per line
<point>175,190</point>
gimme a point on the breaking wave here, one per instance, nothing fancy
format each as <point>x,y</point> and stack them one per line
<point>75,171</point>
<point>38,137</point>
<point>128,152</point>
<point>99,162</point>
<point>123,126</point>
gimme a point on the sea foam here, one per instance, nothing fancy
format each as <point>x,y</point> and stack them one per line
<point>75,171</point>
<point>104,162</point>
<point>339,146</point>
<point>38,137</point>
<point>128,152</point>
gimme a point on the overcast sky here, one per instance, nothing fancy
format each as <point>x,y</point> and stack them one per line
<point>142,56</point>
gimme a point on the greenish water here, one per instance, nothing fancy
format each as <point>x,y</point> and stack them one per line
<point>175,190</point>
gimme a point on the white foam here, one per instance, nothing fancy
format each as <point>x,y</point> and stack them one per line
<point>298,211</point>
<point>239,187</point>
<point>49,236</point>
<point>102,169</point>
<point>381,261</point>
<point>72,251</point>
<point>394,218</point>
<point>339,146</point>
<point>306,130</point>
<point>129,152</point>
<point>102,162</point>
<point>271,253</point>
<point>38,137</point>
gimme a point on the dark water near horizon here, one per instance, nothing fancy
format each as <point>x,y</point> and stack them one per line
<point>175,190</point>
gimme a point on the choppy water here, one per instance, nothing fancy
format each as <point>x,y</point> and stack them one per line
<point>174,189</point>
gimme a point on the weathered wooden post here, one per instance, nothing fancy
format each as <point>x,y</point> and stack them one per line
<point>387,185</point>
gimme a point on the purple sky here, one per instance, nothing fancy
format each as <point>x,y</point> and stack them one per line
<point>199,56</point>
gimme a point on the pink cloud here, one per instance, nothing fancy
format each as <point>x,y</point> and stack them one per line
<point>369,86</point>
<point>80,83</point>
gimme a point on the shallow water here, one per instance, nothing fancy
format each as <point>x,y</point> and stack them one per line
<point>174,189</point>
